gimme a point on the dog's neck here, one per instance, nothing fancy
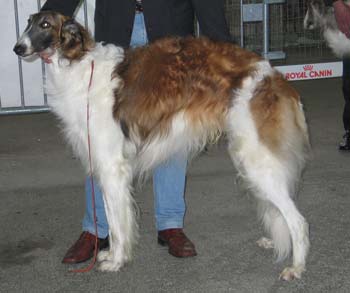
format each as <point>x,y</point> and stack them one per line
<point>75,54</point>
<point>58,60</point>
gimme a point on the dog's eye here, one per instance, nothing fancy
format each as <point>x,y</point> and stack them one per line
<point>45,24</point>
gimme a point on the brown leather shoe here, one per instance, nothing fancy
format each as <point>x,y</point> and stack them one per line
<point>178,243</point>
<point>83,248</point>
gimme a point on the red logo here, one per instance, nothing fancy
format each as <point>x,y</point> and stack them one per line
<point>308,67</point>
<point>309,72</point>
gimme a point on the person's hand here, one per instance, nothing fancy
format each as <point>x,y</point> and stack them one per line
<point>342,16</point>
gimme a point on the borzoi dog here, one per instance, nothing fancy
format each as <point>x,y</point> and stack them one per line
<point>320,16</point>
<point>173,97</point>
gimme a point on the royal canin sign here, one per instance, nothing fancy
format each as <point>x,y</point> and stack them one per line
<point>311,71</point>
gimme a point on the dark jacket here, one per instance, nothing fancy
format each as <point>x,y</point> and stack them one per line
<point>114,18</point>
<point>329,2</point>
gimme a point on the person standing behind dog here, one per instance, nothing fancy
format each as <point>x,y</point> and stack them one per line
<point>342,16</point>
<point>135,23</point>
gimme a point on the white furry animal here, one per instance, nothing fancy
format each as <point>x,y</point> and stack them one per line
<point>172,97</point>
<point>318,15</point>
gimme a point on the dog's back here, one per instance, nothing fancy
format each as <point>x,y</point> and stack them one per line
<point>193,76</point>
<point>189,86</point>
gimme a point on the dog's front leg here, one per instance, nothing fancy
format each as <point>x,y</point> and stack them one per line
<point>115,179</point>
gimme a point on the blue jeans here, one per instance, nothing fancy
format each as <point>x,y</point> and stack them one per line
<point>168,179</point>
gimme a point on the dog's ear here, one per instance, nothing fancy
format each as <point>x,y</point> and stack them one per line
<point>70,34</point>
<point>75,41</point>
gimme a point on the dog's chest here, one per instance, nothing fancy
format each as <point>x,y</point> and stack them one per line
<point>74,101</point>
<point>68,95</point>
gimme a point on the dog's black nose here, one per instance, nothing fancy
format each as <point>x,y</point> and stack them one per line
<point>19,49</point>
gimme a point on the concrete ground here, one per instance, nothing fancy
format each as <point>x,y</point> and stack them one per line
<point>42,203</point>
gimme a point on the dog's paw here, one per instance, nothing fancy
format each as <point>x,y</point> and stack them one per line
<point>104,256</point>
<point>110,266</point>
<point>291,273</point>
<point>266,243</point>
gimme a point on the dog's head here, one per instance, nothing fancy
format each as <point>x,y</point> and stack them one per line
<point>49,31</point>
<point>315,13</point>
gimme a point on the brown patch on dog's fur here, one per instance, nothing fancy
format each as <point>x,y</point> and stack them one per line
<point>172,75</point>
<point>273,98</point>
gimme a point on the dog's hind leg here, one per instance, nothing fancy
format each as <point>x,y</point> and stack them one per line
<point>276,228</point>
<point>272,178</point>
<point>280,215</point>
<point>280,218</point>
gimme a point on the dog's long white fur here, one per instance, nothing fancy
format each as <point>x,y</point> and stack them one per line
<point>338,42</point>
<point>115,161</point>
<point>68,90</point>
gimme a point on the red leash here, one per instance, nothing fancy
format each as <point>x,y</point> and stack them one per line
<point>91,265</point>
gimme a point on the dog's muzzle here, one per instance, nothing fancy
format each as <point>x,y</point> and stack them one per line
<point>20,49</point>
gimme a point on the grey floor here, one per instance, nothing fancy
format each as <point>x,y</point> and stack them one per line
<point>42,203</point>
